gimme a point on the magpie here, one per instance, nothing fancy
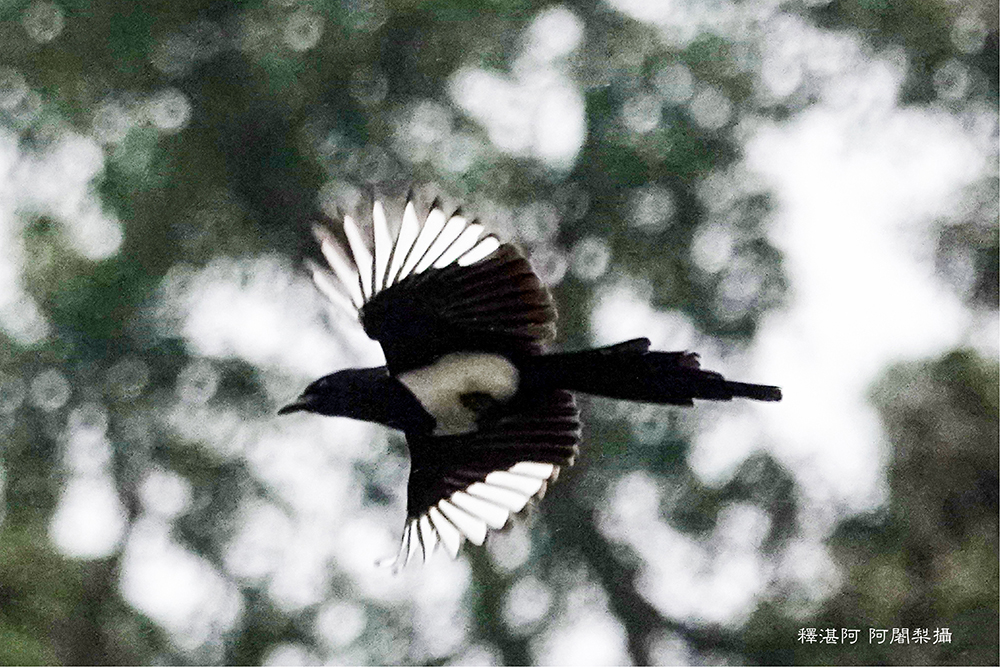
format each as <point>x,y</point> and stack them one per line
<point>487,412</point>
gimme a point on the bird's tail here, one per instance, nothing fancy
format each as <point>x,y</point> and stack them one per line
<point>631,372</point>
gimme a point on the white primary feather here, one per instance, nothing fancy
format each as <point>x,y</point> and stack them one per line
<point>526,485</point>
<point>450,536</point>
<point>403,555</point>
<point>408,230</point>
<point>432,227</point>
<point>383,246</point>
<point>482,250</point>
<point>331,288</point>
<point>470,514</point>
<point>463,244</point>
<point>412,541</point>
<point>493,515</point>
<point>533,469</point>
<point>362,256</point>
<point>373,262</point>
<point>342,267</point>
<point>452,230</point>
<point>473,528</point>
<point>428,536</point>
<point>513,501</point>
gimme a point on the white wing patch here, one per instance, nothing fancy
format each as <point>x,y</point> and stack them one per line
<point>383,246</point>
<point>408,230</point>
<point>472,513</point>
<point>374,261</point>
<point>362,256</point>
<point>440,387</point>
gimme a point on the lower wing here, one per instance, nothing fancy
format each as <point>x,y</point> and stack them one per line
<point>462,486</point>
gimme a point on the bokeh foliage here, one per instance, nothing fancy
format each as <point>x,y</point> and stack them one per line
<point>277,115</point>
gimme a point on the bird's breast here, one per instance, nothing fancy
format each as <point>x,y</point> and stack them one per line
<point>457,386</point>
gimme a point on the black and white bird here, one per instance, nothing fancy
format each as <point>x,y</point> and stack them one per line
<point>488,414</point>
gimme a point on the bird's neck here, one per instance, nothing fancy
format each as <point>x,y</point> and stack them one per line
<point>393,405</point>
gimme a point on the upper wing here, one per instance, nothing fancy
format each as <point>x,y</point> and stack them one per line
<point>425,289</point>
<point>461,486</point>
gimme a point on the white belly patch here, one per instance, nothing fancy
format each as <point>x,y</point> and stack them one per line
<point>439,387</point>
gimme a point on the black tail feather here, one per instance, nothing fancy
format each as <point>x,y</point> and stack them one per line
<point>758,392</point>
<point>631,372</point>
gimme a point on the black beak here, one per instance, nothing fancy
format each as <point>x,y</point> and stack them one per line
<point>300,404</point>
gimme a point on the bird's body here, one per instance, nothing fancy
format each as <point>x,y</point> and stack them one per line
<point>488,414</point>
<point>458,388</point>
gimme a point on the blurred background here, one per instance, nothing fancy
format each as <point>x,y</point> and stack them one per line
<point>805,192</point>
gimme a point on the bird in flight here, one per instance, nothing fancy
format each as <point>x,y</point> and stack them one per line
<point>488,414</point>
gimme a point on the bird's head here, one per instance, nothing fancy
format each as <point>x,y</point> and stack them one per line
<point>339,394</point>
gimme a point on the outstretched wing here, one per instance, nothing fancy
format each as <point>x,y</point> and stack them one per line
<point>424,289</point>
<point>462,486</point>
